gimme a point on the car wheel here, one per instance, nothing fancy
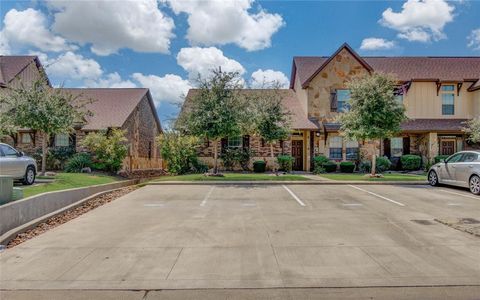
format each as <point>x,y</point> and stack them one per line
<point>474,184</point>
<point>433,178</point>
<point>29,178</point>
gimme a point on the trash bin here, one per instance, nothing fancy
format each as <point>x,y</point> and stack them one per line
<point>6,188</point>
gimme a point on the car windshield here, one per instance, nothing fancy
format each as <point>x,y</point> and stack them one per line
<point>454,158</point>
<point>8,151</point>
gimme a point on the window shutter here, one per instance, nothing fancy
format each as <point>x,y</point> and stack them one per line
<point>263,142</point>
<point>333,102</point>
<point>406,145</point>
<point>72,140</point>
<point>246,142</point>
<point>386,148</point>
<point>224,144</point>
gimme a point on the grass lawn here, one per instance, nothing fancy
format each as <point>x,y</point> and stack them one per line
<point>386,177</point>
<point>231,177</point>
<point>65,181</point>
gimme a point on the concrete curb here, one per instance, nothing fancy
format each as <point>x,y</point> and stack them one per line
<point>10,235</point>
<point>16,214</point>
<point>299,182</point>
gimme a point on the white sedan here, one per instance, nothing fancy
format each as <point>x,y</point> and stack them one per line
<point>14,163</point>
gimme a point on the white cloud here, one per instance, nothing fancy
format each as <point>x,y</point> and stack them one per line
<point>201,61</point>
<point>111,80</point>
<point>268,78</point>
<point>111,25</point>
<point>420,20</point>
<point>376,44</point>
<point>72,66</point>
<point>220,22</point>
<point>29,28</point>
<point>4,45</point>
<point>474,39</point>
<point>169,88</point>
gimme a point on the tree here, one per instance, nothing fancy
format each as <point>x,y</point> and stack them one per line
<point>179,151</point>
<point>374,113</point>
<point>110,148</point>
<point>473,130</point>
<point>44,109</point>
<point>216,110</point>
<point>272,121</point>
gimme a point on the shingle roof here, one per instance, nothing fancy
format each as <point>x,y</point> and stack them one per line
<point>435,125</point>
<point>405,68</point>
<point>111,106</point>
<point>11,66</point>
<point>289,100</point>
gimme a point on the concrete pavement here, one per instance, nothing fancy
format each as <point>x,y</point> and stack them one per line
<point>197,237</point>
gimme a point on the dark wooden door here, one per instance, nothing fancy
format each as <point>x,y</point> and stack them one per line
<point>447,147</point>
<point>297,153</point>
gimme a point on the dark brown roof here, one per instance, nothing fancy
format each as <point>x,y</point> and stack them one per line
<point>111,107</point>
<point>406,68</point>
<point>435,125</point>
<point>331,127</point>
<point>11,66</point>
<point>289,100</point>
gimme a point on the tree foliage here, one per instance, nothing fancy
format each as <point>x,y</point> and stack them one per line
<point>216,110</point>
<point>110,148</point>
<point>41,108</point>
<point>374,113</point>
<point>179,151</point>
<point>473,130</point>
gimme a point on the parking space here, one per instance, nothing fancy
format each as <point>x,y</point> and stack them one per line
<point>217,236</point>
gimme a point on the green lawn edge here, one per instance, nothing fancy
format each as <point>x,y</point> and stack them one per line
<point>233,177</point>
<point>64,181</point>
<point>362,177</point>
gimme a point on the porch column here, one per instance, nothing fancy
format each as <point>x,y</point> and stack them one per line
<point>432,145</point>
<point>307,150</point>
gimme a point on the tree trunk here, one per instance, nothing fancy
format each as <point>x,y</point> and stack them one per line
<point>374,159</point>
<point>215,157</point>
<point>274,166</point>
<point>44,152</point>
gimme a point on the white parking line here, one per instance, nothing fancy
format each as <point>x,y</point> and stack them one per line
<point>377,195</point>
<point>459,194</point>
<point>294,196</point>
<point>206,196</point>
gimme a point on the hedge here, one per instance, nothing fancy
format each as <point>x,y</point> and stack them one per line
<point>439,158</point>
<point>347,167</point>
<point>285,162</point>
<point>411,162</point>
<point>330,167</point>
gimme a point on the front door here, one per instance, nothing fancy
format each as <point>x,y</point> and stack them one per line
<point>297,153</point>
<point>447,147</point>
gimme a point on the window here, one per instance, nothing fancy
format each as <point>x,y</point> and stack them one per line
<point>448,100</point>
<point>235,142</point>
<point>399,99</point>
<point>62,140</point>
<point>8,151</point>
<point>455,158</point>
<point>396,146</point>
<point>351,150</point>
<point>25,138</point>
<point>469,157</point>
<point>336,147</point>
<point>343,97</point>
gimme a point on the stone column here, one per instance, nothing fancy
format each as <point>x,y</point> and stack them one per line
<point>432,145</point>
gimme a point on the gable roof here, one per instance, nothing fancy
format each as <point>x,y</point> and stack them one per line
<point>11,66</point>
<point>111,107</point>
<point>405,68</point>
<point>289,100</point>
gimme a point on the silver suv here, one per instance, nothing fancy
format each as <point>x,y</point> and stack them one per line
<point>14,163</point>
<point>460,169</point>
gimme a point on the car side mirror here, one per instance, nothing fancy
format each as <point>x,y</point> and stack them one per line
<point>20,154</point>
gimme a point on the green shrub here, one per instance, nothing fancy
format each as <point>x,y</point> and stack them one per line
<point>285,162</point>
<point>330,167</point>
<point>77,162</point>
<point>56,157</point>
<point>347,167</point>
<point>109,147</point>
<point>411,162</point>
<point>228,158</point>
<point>382,164</point>
<point>439,158</point>
<point>318,164</point>
<point>259,166</point>
<point>179,152</point>
<point>243,158</point>
<point>318,170</point>
<point>199,166</point>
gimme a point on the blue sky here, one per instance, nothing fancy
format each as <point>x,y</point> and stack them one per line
<point>165,44</point>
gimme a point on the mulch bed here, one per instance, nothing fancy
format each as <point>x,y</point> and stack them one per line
<point>70,215</point>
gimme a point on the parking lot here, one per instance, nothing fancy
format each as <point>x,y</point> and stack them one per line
<point>265,236</point>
